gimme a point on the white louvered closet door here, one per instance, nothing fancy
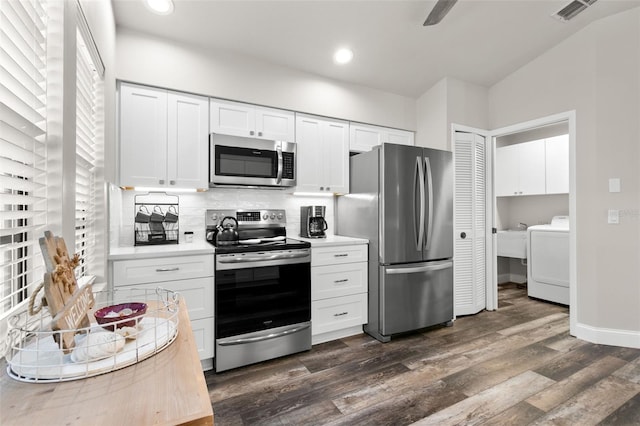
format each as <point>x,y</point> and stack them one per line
<point>470,221</point>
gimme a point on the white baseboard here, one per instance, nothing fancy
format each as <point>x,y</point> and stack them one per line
<point>335,335</point>
<point>518,278</point>
<point>207,364</point>
<point>608,336</point>
<point>504,278</point>
<point>512,278</point>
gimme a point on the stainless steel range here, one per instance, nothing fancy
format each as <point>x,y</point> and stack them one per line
<point>262,287</point>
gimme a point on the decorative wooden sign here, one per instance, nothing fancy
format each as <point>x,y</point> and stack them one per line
<point>67,304</point>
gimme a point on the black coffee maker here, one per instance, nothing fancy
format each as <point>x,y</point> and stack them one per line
<point>312,223</point>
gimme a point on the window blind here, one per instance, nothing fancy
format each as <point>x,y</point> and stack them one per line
<point>22,147</point>
<point>86,103</point>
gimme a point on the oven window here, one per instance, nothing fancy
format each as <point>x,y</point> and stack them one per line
<point>254,299</point>
<point>233,161</point>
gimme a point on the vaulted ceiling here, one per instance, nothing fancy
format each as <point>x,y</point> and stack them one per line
<point>479,41</point>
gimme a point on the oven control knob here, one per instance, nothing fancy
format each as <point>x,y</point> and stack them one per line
<point>279,216</point>
<point>214,216</point>
<point>273,216</point>
<point>265,216</point>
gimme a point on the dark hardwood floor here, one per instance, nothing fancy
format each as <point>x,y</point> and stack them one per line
<point>514,366</point>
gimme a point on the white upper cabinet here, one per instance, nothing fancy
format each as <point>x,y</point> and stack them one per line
<point>143,136</point>
<point>400,137</point>
<point>363,137</point>
<point>533,168</point>
<point>239,119</point>
<point>163,138</point>
<point>188,124</point>
<point>322,154</point>
<point>557,164</point>
<point>507,162</point>
<point>520,169</point>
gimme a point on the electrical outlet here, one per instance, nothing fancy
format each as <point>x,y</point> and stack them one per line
<point>613,217</point>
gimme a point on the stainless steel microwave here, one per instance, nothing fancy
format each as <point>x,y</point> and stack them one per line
<point>240,161</point>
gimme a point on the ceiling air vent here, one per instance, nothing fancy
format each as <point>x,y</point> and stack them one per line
<point>572,9</point>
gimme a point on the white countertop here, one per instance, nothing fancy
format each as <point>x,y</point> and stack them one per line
<point>168,250</point>
<point>333,240</point>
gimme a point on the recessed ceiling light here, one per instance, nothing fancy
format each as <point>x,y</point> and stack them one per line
<point>161,7</point>
<point>343,56</point>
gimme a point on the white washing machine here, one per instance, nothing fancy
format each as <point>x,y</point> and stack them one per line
<point>548,260</point>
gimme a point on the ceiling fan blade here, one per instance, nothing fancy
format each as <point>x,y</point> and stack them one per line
<point>439,11</point>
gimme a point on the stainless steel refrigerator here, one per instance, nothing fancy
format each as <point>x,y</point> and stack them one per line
<point>401,200</point>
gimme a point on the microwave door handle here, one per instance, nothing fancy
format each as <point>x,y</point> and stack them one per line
<point>279,152</point>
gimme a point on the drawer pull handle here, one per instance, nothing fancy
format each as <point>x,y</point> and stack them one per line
<point>168,269</point>
<point>341,281</point>
<point>340,314</point>
<point>341,255</point>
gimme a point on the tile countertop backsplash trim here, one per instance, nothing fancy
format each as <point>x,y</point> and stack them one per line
<point>156,251</point>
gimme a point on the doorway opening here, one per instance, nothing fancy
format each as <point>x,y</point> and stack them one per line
<point>531,184</point>
<point>528,208</point>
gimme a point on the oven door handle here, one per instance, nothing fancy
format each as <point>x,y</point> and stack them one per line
<point>245,259</point>
<point>294,329</point>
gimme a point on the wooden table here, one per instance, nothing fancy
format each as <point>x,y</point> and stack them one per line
<point>167,389</point>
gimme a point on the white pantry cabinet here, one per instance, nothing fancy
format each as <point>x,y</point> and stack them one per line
<point>322,154</point>
<point>192,276</point>
<point>520,169</point>
<point>163,138</point>
<point>240,119</point>
<point>363,137</point>
<point>339,291</point>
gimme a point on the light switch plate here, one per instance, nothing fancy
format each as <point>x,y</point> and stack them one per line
<point>613,217</point>
<point>614,185</point>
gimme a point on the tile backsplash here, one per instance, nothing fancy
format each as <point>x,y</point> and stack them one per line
<point>192,207</point>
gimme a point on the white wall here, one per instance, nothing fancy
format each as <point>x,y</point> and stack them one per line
<point>431,110</point>
<point>450,101</point>
<point>467,105</point>
<point>531,210</point>
<point>597,73</point>
<point>154,61</point>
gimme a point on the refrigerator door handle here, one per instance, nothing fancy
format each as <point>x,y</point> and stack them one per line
<point>420,180</point>
<point>428,268</point>
<point>427,241</point>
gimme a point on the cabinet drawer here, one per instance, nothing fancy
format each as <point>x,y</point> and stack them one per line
<point>341,254</point>
<point>139,271</point>
<point>338,313</point>
<point>197,294</point>
<point>203,336</point>
<point>338,280</point>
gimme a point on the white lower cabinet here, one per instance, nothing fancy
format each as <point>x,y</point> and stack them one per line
<point>203,336</point>
<point>338,313</point>
<point>190,276</point>
<point>339,290</point>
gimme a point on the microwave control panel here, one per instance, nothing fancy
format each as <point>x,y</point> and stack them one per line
<point>287,165</point>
